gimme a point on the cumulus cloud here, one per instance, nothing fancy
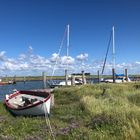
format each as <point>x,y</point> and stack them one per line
<point>67,60</point>
<point>38,60</point>
<point>55,58</point>
<point>138,62</point>
<point>25,62</point>
<point>13,67</point>
<point>30,49</point>
<point>61,61</point>
<point>22,57</point>
<point>32,63</point>
<point>82,57</point>
<point>2,55</point>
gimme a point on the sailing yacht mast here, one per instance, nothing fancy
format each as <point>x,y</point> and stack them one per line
<point>111,40</point>
<point>68,39</point>
<point>66,70</point>
<point>113,43</point>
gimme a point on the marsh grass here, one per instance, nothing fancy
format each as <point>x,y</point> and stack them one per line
<point>99,112</point>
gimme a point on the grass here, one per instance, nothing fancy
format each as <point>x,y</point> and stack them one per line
<point>99,112</point>
<point>38,78</point>
<point>31,78</point>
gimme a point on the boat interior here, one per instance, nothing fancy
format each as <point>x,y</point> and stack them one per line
<point>23,100</point>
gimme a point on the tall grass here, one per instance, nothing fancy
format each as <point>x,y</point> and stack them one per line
<point>89,112</point>
<point>110,110</point>
<point>114,114</point>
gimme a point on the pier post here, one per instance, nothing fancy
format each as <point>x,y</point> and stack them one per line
<point>73,80</point>
<point>14,79</point>
<point>66,76</point>
<point>113,75</point>
<point>98,73</point>
<point>44,79</point>
<point>126,75</point>
<point>24,79</point>
<point>6,78</point>
<point>83,78</point>
<point>52,99</point>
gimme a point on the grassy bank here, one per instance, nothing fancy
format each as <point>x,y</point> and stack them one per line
<point>36,78</point>
<point>32,78</point>
<point>99,112</point>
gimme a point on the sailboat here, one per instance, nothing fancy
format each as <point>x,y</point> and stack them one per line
<point>119,78</point>
<point>67,80</point>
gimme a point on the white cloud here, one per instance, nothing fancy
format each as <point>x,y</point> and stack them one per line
<point>55,58</point>
<point>82,57</point>
<point>67,60</point>
<point>13,67</point>
<point>2,55</point>
<point>38,60</point>
<point>22,57</point>
<point>138,62</point>
<point>30,49</point>
<point>32,63</point>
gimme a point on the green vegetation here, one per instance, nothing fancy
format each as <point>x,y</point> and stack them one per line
<point>31,78</point>
<point>90,112</point>
<point>35,78</point>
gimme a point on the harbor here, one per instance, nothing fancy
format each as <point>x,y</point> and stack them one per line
<point>80,111</point>
<point>69,70</point>
<point>37,83</point>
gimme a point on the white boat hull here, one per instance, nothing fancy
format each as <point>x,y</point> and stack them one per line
<point>63,83</point>
<point>117,80</point>
<point>39,107</point>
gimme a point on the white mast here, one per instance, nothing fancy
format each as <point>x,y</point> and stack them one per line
<point>68,42</point>
<point>113,50</point>
<point>68,39</point>
<point>66,70</point>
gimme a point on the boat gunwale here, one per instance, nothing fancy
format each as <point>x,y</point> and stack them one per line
<point>9,106</point>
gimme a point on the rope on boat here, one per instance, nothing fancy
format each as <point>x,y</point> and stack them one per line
<point>48,121</point>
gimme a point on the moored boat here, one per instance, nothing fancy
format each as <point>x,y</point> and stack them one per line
<point>7,83</point>
<point>119,78</point>
<point>4,83</point>
<point>28,103</point>
<point>77,81</point>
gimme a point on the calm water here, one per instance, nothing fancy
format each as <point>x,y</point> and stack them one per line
<point>28,85</point>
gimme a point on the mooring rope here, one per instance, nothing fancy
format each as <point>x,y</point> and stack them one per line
<point>48,121</point>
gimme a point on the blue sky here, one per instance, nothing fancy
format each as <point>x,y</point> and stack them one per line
<point>37,26</point>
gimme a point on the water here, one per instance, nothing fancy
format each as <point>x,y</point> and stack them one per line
<point>28,85</point>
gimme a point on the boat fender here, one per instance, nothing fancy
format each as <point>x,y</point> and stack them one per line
<point>7,96</point>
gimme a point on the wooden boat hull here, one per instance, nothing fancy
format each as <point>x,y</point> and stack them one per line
<point>39,107</point>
